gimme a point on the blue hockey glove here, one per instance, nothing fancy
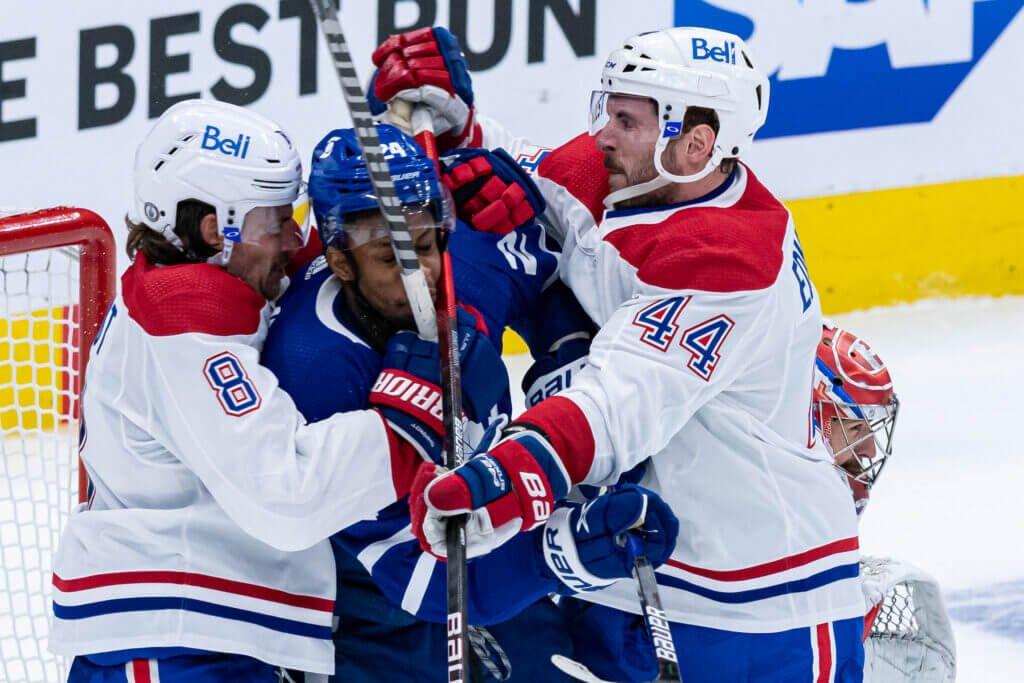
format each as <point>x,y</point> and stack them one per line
<point>426,67</point>
<point>585,547</point>
<point>408,392</point>
<point>553,373</point>
<point>491,191</point>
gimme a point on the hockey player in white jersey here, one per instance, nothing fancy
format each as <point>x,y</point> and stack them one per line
<point>703,364</point>
<point>907,632</point>
<point>202,554</point>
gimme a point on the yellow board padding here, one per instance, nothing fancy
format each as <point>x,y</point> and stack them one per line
<point>891,246</point>
<point>35,377</point>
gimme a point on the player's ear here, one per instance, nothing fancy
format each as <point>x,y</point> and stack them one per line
<point>340,265</point>
<point>211,235</point>
<point>701,144</point>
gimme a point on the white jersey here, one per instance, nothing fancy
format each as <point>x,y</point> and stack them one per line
<point>703,368</point>
<point>211,497</point>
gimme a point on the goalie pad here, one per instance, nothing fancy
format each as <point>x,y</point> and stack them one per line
<point>908,634</point>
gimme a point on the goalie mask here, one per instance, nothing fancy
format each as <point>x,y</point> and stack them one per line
<point>238,162</point>
<point>854,409</point>
<point>341,190</point>
<point>679,68</point>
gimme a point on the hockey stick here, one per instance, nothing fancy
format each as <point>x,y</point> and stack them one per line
<point>413,279</point>
<point>654,615</point>
<point>420,301</point>
<point>454,446</point>
<point>654,619</point>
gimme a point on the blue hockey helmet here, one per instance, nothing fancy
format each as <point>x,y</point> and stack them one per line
<point>340,187</point>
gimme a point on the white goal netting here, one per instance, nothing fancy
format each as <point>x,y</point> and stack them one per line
<point>41,361</point>
<point>38,463</point>
<point>911,638</point>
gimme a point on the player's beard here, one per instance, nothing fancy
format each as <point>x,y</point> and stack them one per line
<point>646,172</point>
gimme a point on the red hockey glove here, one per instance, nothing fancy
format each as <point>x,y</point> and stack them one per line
<point>492,193</point>
<point>511,488</point>
<point>426,67</point>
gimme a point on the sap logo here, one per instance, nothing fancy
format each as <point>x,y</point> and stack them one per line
<point>232,147</point>
<point>848,64</point>
<point>725,54</point>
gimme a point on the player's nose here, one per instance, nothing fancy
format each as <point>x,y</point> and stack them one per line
<point>605,140</point>
<point>866,448</point>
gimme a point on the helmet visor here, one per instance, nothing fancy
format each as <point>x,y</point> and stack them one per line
<point>604,104</point>
<point>286,223</point>
<point>598,111</point>
<point>356,229</point>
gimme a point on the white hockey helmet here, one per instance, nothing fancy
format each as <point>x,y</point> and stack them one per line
<point>680,68</point>
<point>238,162</point>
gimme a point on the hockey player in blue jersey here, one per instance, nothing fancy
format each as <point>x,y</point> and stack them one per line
<point>342,340</point>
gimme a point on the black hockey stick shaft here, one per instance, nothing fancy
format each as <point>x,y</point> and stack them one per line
<point>429,322</point>
<point>654,616</point>
<point>413,278</point>
<point>457,585</point>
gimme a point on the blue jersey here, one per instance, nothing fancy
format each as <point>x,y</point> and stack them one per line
<point>315,349</point>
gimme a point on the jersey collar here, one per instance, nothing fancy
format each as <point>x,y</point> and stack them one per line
<point>717,192</point>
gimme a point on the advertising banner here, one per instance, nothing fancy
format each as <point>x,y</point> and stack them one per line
<point>866,95</point>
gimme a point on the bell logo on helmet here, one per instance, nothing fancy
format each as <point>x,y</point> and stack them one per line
<point>232,147</point>
<point>726,54</point>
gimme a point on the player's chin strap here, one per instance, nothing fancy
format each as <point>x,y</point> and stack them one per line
<point>664,178</point>
<point>222,257</point>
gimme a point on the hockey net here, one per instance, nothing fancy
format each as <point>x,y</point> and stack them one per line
<point>56,282</point>
<point>908,633</point>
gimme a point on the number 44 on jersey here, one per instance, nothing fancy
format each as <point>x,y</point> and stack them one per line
<point>660,327</point>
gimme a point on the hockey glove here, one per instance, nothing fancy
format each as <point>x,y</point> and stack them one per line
<point>491,191</point>
<point>408,393</point>
<point>510,488</point>
<point>553,373</point>
<point>584,545</point>
<point>426,67</point>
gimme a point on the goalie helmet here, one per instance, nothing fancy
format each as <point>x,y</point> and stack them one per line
<point>340,187</point>
<point>854,409</point>
<point>680,68</point>
<point>238,162</point>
